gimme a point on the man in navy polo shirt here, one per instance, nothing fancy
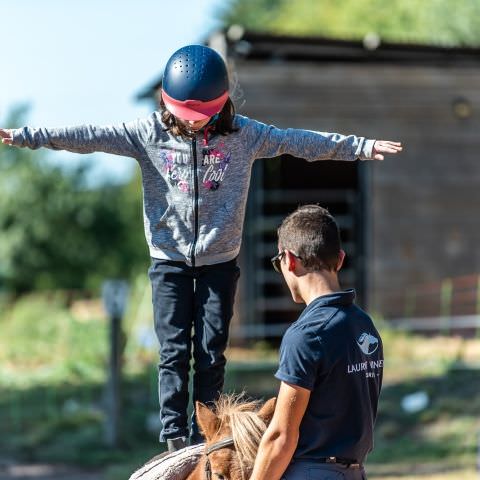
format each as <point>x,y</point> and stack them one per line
<point>331,363</point>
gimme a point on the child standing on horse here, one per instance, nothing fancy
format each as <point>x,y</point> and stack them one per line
<point>196,156</point>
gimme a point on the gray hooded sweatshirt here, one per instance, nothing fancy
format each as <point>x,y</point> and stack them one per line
<point>194,194</point>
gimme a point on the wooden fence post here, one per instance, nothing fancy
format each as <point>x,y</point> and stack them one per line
<point>477,311</point>
<point>446,303</point>
<point>410,302</point>
<point>114,293</point>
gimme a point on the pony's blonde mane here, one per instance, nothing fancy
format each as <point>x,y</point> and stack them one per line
<point>246,426</point>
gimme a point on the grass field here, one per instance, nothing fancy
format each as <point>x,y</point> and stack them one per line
<point>52,373</point>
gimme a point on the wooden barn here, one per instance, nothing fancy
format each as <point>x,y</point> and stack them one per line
<point>408,222</point>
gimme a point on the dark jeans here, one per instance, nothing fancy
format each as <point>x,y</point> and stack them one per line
<point>192,306</point>
<point>311,470</point>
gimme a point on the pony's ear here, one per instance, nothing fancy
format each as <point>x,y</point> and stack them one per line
<point>266,412</point>
<point>207,420</point>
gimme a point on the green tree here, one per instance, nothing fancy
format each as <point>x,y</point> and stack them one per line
<point>450,22</point>
<point>57,233</point>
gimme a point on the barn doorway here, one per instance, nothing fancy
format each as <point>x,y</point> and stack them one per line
<point>278,186</point>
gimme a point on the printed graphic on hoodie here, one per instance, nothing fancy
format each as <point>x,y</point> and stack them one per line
<point>177,168</point>
<point>215,161</point>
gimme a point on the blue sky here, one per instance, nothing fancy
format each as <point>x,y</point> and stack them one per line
<point>84,61</point>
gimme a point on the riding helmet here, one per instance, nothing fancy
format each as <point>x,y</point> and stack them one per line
<point>195,83</point>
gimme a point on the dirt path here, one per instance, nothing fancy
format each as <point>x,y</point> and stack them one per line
<point>46,472</point>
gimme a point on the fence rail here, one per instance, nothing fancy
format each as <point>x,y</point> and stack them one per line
<point>446,305</point>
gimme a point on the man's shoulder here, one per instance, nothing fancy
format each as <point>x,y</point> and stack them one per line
<point>315,320</point>
<point>304,329</point>
<point>328,323</point>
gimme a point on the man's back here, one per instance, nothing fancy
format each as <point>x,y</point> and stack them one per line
<point>334,351</point>
<point>331,362</point>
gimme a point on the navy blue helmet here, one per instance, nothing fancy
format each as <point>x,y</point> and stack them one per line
<point>195,83</point>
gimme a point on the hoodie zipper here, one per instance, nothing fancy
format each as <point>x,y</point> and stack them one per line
<point>195,201</point>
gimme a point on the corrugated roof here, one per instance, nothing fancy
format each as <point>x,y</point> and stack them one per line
<point>258,46</point>
<point>371,48</point>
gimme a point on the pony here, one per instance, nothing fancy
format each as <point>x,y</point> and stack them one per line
<point>232,430</point>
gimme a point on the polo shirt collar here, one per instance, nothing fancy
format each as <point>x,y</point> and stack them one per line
<point>345,297</point>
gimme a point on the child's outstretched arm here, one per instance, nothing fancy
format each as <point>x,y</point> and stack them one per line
<point>268,141</point>
<point>126,139</point>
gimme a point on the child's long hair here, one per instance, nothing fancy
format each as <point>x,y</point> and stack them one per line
<point>223,125</point>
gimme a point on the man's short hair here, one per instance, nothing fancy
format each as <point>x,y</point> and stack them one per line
<point>312,234</point>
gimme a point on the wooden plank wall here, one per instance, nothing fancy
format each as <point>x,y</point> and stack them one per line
<point>423,206</point>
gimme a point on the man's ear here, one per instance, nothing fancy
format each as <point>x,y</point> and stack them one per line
<point>267,410</point>
<point>207,420</point>
<point>291,261</point>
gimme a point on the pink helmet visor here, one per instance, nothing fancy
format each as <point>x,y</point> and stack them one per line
<point>194,109</point>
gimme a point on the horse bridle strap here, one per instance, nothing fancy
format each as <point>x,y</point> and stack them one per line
<point>227,442</point>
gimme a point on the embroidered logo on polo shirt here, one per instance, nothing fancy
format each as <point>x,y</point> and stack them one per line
<point>368,343</point>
